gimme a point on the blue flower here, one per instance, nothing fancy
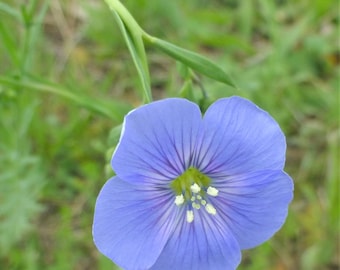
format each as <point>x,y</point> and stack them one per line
<point>191,192</point>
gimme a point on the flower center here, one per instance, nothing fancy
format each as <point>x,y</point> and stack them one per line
<point>193,189</point>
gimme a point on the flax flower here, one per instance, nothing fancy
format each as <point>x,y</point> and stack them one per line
<point>192,191</point>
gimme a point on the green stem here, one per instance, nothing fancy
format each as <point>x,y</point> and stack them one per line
<point>148,38</point>
<point>131,30</point>
<point>33,24</point>
<point>125,15</point>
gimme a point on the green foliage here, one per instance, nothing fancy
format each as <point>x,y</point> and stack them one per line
<point>67,79</point>
<point>22,176</point>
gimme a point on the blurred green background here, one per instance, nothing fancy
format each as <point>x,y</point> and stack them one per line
<point>67,79</point>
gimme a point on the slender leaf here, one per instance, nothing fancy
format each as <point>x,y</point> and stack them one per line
<point>9,10</point>
<point>112,109</point>
<point>192,60</point>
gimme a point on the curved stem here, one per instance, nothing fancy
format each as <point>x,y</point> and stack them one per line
<point>125,15</point>
<point>133,35</point>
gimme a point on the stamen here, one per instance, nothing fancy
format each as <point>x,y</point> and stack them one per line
<point>196,205</point>
<point>179,200</point>
<point>212,191</point>
<point>210,209</point>
<point>192,190</point>
<point>195,188</point>
<point>190,216</point>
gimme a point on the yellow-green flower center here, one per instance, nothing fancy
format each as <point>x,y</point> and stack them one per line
<point>183,183</point>
<point>193,189</point>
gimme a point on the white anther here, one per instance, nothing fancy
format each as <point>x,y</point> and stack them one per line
<point>179,200</point>
<point>203,202</point>
<point>190,216</point>
<point>199,197</point>
<point>195,188</point>
<point>196,205</point>
<point>210,209</point>
<point>212,191</point>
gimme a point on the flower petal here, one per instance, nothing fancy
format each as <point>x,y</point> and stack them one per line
<point>239,137</point>
<point>131,226</point>
<point>254,205</point>
<point>157,141</point>
<point>206,243</point>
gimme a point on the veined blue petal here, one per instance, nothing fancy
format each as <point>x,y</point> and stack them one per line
<point>239,137</point>
<point>140,222</point>
<point>157,141</point>
<point>131,225</point>
<point>204,244</point>
<point>254,205</point>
